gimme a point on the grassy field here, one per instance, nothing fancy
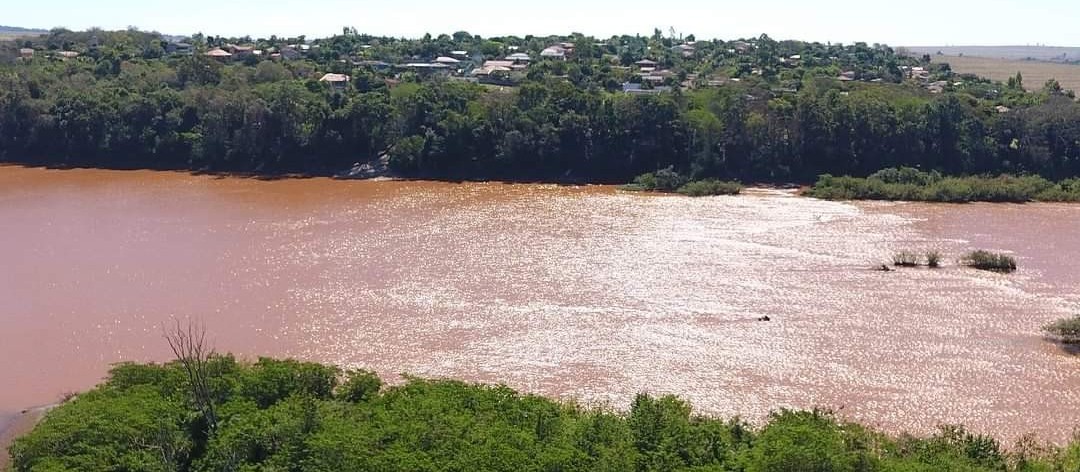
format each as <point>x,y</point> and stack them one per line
<point>1038,53</point>
<point>1036,73</point>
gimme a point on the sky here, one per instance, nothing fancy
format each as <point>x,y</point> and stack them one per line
<point>909,23</point>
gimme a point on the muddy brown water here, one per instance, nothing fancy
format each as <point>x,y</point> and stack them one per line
<point>582,293</point>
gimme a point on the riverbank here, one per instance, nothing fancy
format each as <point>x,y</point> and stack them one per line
<point>15,425</point>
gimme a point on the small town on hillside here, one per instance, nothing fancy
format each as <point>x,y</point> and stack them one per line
<point>631,64</point>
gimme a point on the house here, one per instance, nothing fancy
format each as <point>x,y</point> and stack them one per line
<point>1002,109</point>
<point>506,64</point>
<point>373,65</point>
<point>742,46</point>
<point>460,54</point>
<point>638,89</point>
<point>289,53</point>
<point>424,68</point>
<point>336,81</point>
<point>178,48</point>
<point>219,54</point>
<point>937,87</point>
<point>919,73</point>
<point>646,64</point>
<point>26,53</point>
<point>847,76</point>
<point>240,51</point>
<point>65,55</point>
<point>687,50</point>
<point>554,52</point>
<point>447,60</point>
<point>519,58</point>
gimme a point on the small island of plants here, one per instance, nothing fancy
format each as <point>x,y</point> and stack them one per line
<point>1066,330</point>
<point>986,260</point>
<point>909,184</point>
<point>668,181</point>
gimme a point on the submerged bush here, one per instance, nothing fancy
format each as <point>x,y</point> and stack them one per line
<point>905,259</point>
<point>663,180</point>
<point>986,260</point>
<point>933,259</point>
<point>667,180</point>
<point>701,188</point>
<point>1066,330</point>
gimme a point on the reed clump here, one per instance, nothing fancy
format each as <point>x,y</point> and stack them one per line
<point>905,259</point>
<point>986,260</point>
<point>933,259</point>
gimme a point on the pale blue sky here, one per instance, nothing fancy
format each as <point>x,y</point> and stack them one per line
<point>913,22</point>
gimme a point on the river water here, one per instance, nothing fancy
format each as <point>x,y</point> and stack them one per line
<point>584,293</point>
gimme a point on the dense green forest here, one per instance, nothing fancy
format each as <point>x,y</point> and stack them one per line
<point>753,110</point>
<point>278,415</point>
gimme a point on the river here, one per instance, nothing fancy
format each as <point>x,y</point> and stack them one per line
<point>583,293</point>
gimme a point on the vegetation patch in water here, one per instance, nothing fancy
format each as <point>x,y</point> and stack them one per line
<point>668,181</point>
<point>1066,330</point>
<point>933,259</point>
<point>702,188</point>
<point>906,183</point>
<point>905,259</point>
<point>986,260</point>
<point>290,415</point>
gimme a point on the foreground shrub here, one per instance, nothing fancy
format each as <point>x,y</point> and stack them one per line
<point>701,188</point>
<point>1066,330</point>
<point>361,385</point>
<point>811,441</point>
<point>142,418</point>
<point>986,260</point>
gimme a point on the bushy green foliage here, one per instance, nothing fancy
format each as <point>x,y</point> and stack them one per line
<point>668,181</point>
<point>914,185</point>
<point>701,188</point>
<point>361,385</point>
<point>1066,329</point>
<point>279,415</point>
<point>986,260</point>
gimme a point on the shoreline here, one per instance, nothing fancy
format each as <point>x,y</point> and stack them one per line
<point>16,424</point>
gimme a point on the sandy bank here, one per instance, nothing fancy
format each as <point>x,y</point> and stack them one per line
<point>13,425</point>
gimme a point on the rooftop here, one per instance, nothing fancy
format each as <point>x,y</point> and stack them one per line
<point>334,78</point>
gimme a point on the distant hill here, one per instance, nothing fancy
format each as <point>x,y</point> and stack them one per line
<point>1036,53</point>
<point>16,29</point>
<point>7,32</point>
